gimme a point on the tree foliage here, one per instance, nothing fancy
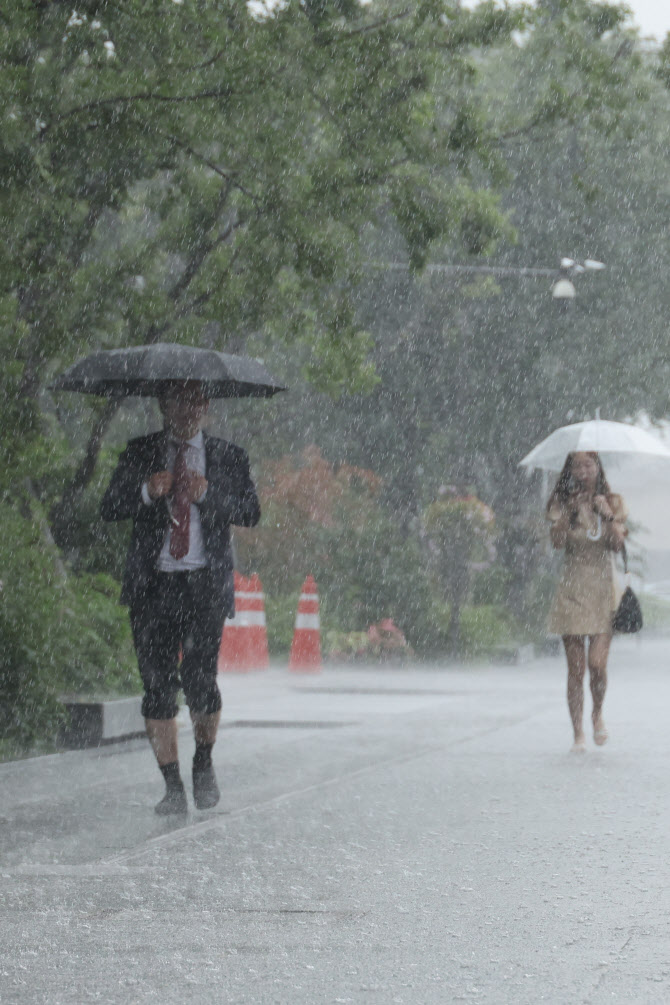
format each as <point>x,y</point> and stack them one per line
<point>241,175</point>
<point>473,370</point>
<point>256,147</point>
<point>459,534</point>
<point>203,173</point>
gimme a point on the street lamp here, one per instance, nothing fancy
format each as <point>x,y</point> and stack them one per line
<point>564,289</point>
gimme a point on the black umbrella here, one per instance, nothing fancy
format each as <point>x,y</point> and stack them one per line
<point>146,370</point>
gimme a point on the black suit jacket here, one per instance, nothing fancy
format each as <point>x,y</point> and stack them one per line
<point>230,499</point>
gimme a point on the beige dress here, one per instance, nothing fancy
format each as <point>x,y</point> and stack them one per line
<point>588,592</point>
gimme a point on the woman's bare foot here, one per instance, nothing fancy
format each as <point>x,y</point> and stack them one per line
<point>579,746</point>
<point>600,734</point>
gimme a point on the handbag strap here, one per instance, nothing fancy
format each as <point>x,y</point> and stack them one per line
<point>625,559</point>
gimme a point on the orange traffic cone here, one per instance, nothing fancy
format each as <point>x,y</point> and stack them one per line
<point>306,646</point>
<point>244,643</point>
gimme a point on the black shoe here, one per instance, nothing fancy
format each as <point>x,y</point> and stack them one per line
<point>174,801</point>
<point>205,790</point>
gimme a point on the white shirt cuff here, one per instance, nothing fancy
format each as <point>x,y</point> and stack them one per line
<point>146,498</point>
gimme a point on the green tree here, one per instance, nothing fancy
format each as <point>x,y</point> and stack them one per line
<point>473,370</point>
<point>458,533</point>
<point>204,172</point>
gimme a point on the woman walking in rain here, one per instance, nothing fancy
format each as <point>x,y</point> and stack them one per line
<point>588,521</point>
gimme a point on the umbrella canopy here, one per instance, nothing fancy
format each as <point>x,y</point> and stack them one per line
<point>145,370</point>
<point>616,442</point>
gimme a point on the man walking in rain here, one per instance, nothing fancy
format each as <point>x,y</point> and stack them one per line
<point>182,489</point>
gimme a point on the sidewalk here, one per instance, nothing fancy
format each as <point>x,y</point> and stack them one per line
<point>413,836</point>
<point>86,805</point>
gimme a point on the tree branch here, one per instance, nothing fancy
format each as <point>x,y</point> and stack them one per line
<point>228,175</point>
<point>520,130</point>
<point>202,66</point>
<point>623,50</point>
<point>382,23</point>
<point>200,254</point>
<point>35,513</point>
<point>121,99</point>
<point>62,512</point>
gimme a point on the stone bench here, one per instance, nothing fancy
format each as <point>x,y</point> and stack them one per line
<point>94,722</point>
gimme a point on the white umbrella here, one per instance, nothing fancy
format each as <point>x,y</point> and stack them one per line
<point>619,444</point>
<point>636,463</point>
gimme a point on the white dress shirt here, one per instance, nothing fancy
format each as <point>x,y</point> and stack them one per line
<point>195,557</point>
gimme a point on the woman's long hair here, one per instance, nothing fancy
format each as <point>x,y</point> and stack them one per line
<point>566,486</point>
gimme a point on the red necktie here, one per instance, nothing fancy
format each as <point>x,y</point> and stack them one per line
<point>181,507</point>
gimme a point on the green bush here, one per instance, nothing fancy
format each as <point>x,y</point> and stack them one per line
<point>99,658</point>
<point>490,586</point>
<point>382,643</point>
<point>280,617</point>
<point>537,601</point>
<point>373,571</point>
<point>280,612</point>
<point>655,611</point>
<point>58,633</point>
<point>484,627</point>
<point>90,544</point>
<point>31,634</point>
<point>528,614</point>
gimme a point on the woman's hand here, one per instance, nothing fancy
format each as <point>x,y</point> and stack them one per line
<point>616,536</point>
<point>582,502</point>
<point>601,506</point>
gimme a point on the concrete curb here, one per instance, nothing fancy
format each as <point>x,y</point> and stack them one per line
<point>94,723</point>
<point>515,654</point>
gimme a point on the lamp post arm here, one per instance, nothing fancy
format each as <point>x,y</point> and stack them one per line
<point>490,270</point>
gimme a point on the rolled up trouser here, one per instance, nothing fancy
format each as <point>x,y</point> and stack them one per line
<point>178,613</point>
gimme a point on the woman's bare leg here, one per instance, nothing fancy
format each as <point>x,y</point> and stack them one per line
<point>576,655</point>
<point>599,647</point>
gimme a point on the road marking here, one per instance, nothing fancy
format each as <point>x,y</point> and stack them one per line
<point>77,869</point>
<point>219,820</point>
<point>117,864</point>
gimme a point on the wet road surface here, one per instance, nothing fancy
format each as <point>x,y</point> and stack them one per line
<point>412,836</point>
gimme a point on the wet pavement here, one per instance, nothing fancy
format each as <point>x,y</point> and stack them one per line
<point>412,836</point>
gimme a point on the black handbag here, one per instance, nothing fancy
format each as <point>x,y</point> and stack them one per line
<point>627,618</point>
